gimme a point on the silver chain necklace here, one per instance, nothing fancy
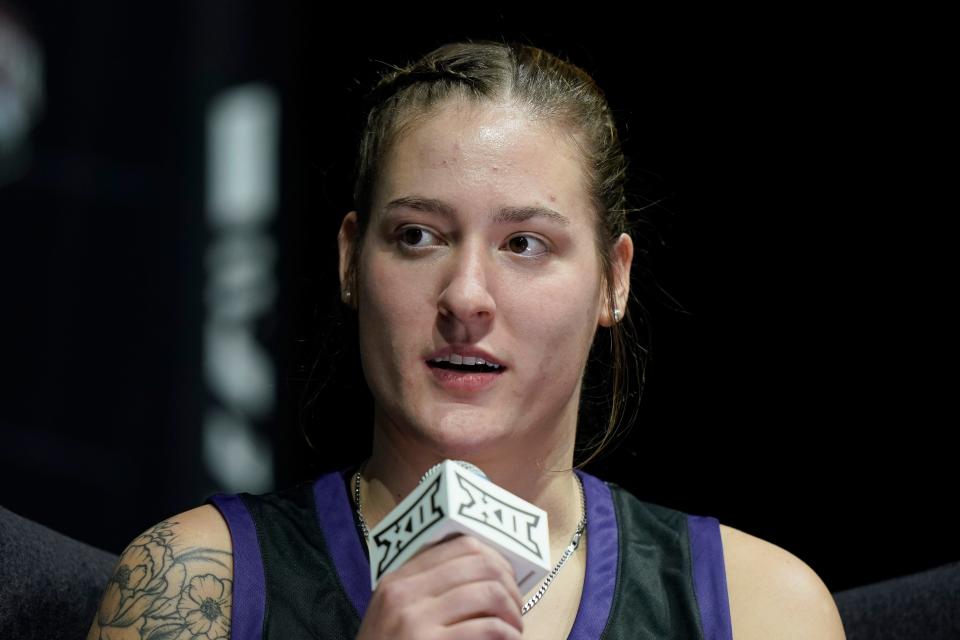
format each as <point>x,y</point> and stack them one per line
<point>574,541</point>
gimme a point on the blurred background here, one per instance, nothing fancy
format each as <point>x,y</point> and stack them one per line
<point>172,179</point>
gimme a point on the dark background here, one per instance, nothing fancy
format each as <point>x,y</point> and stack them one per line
<point>796,167</point>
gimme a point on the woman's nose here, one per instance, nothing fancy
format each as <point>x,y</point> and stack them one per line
<point>467,297</point>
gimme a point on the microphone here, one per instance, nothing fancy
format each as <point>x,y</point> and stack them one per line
<point>455,497</point>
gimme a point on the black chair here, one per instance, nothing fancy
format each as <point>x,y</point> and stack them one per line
<point>921,606</point>
<point>50,585</point>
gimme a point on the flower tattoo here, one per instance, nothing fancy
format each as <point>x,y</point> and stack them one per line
<point>157,594</point>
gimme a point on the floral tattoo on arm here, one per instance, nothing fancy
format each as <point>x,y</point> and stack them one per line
<point>156,594</point>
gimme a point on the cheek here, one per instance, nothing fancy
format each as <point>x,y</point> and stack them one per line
<point>556,328</point>
<point>390,294</point>
<point>391,313</point>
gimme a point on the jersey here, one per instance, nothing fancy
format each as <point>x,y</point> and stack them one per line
<point>301,567</point>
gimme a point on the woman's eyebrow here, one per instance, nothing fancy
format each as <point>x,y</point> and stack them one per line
<point>505,215</point>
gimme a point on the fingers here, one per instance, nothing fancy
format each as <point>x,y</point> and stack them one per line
<point>463,569</point>
<point>482,629</point>
<point>476,600</point>
<point>449,549</point>
<point>411,614</point>
<point>458,588</point>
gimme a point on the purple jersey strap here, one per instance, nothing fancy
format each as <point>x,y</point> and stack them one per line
<point>249,586</point>
<point>335,515</point>
<point>709,577</point>
<point>603,551</point>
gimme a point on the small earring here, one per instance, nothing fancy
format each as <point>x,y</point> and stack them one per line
<point>616,314</point>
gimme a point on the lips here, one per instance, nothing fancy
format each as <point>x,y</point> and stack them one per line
<point>464,383</point>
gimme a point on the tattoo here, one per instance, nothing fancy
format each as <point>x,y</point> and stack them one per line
<point>157,594</point>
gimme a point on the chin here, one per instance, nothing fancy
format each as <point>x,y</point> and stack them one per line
<point>463,441</point>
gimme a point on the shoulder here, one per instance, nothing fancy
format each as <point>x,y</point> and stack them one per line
<point>203,526</point>
<point>773,593</point>
<point>175,577</point>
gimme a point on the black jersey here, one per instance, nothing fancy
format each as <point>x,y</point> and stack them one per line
<point>301,568</point>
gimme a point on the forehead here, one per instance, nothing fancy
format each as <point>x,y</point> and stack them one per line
<point>480,156</point>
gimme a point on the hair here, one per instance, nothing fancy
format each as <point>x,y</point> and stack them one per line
<point>549,89</point>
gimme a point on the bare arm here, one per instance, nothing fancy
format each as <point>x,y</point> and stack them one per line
<point>175,580</point>
<point>774,594</point>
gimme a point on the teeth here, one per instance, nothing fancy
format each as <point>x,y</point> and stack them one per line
<point>456,358</point>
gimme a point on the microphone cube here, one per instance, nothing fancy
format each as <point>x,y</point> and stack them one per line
<point>454,500</point>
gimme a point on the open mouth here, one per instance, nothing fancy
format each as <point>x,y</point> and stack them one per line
<point>466,368</point>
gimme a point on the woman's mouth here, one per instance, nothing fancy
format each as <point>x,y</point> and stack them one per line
<point>464,377</point>
<point>475,367</point>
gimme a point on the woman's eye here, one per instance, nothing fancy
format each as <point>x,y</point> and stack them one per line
<point>523,242</point>
<point>525,245</point>
<point>410,237</point>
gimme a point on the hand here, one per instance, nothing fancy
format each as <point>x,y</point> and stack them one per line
<point>458,588</point>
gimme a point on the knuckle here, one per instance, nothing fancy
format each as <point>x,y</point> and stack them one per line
<point>407,621</point>
<point>490,563</point>
<point>508,600</point>
<point>497,629</point>
<point>492,566</point>
<point>472,545</point>
<point>507,574</point>
<point>392,592</point>
<point>495,592</point>
<point>476,546</point>
<point>501,566</point>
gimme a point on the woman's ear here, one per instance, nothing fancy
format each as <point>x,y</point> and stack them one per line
<point>622,255</point>
<point>346,242</point>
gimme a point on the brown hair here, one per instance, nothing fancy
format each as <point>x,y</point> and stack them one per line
<point>547,87</point>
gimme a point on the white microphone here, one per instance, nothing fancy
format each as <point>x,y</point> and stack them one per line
<point>455,497</point>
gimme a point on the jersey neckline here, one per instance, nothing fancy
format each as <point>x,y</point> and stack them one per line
<point>335,515</point>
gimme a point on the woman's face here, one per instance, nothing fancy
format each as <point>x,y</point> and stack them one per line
<point>481,237</point>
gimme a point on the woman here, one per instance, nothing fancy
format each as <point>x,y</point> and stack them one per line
<point>486,248</point>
